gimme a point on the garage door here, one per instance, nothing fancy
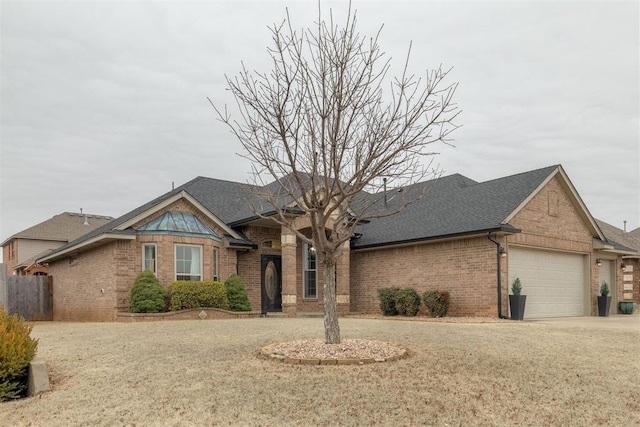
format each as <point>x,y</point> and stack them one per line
<point>554,282</point>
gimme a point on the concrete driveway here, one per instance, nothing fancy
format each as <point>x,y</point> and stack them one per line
<point>614,321</point>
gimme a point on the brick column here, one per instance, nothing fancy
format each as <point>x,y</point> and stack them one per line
<point>289,272</point>
<point>343,291</point>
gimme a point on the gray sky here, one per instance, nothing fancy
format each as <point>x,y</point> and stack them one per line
<point>103,104</point>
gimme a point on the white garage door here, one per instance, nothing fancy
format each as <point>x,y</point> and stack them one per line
<point>554,282</point>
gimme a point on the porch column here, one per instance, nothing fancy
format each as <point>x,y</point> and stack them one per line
<point>343,288</point>
<point>289,272</point>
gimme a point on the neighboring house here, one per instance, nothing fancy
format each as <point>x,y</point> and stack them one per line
<point>204,230</point>
<point>20,251</point>
<point>630,281</point>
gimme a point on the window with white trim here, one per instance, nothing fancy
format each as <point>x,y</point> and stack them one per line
<point>310,289</point>
<point>216,276</point>
<point>149,261</point>
<point>188,262</point>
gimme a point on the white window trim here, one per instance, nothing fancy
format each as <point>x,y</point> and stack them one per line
<point>155,247</point>
<point>175,259</point>
<point>305,265</point>
<point>215,264</point>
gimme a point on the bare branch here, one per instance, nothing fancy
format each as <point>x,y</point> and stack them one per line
<point>325,126</point>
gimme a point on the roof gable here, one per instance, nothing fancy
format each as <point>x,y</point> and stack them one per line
<point>573,195</point>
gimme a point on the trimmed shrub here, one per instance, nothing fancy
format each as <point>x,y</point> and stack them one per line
<point>604,289</point>
<point>237,294</point>
<point>147,294</point>
<point>17,350</point>
<point>436,302</point>
<point>387,298</point>
<point>184,295</point>
<point>407,302</point>
<point>516,286</point>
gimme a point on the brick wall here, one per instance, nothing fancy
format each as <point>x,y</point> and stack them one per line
<point>114,266</point>
<point>79,281</point>
<point>466,268</point>
<point>10,255</point>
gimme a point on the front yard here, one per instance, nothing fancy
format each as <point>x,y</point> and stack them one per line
<point>207,373</point>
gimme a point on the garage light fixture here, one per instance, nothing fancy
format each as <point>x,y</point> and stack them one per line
<point>622,266</point>
<point>503,252</point>
<point>598,262</point>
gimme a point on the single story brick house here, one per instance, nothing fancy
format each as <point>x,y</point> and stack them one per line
<point>455,238</point>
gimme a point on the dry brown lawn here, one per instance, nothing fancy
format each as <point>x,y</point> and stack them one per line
<point>543,373</point>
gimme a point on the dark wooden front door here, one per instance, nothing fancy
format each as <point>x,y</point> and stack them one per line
<point>271,283</point>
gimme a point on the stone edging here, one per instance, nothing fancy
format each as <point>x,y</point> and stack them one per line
<point>188,314</point>
<point>267,353</point>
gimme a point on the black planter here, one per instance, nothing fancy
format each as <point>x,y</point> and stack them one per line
<point>516,305</point>
<point>604,304</point>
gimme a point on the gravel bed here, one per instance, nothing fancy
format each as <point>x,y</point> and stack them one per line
<point>347,349</point>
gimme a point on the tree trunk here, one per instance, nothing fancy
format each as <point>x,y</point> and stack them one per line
<point>331,326</point>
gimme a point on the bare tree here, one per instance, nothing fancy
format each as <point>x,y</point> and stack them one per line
<point>321,128</point>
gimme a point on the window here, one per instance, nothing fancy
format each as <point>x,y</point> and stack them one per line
<point>309,271</point>
<point>216,276</point>
<point>188,262</point>
<point>149,258</point>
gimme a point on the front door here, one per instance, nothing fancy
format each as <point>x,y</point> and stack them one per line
<point>271,283</point>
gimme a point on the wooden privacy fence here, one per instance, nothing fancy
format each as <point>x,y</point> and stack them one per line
<point>30,297</point>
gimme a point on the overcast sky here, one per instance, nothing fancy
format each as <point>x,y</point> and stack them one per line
<point>104,104</point>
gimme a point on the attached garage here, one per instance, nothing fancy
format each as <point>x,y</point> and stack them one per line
<point>556,283</point>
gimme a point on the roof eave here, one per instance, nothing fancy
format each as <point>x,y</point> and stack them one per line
<point>501,230</point>
<point>98,240</point>
<point>267,215</point>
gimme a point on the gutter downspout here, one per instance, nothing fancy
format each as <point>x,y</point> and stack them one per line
<point>499,267</point>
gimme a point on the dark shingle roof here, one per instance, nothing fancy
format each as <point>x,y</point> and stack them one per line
<point>454,205</point>
<point>223,198</point>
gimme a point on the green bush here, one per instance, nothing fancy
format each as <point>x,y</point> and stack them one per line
<point>604,289</point>
<point>184,295</point>
<point>387,298</point>
<point>147,294</point>
<point>407,302</point>
<point>436,302</point>
<point>516,286</point>
<point>17,349</point>
<point>237,294</point>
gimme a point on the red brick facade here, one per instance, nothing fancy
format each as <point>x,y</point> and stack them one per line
<point>466,268</point>
<point>94,284</point>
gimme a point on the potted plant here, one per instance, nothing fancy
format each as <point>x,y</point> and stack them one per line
<point>604,300</point>
<point>517,301</point>
<point>627,307</point>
